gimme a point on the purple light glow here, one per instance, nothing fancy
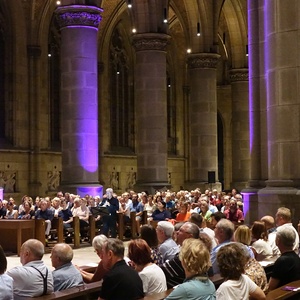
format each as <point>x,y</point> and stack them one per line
<point>92,191</point>
<point>250,68</point>
<point>246,201</point>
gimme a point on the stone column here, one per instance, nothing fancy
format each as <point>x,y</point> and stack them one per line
<point>280,110</point>
<point>34,54</point>
<point>203,117</point>
<point>79,98</point>
<point>240,128</point>
<point>151,111</point>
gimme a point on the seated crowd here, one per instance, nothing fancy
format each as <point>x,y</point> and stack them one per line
<point>189,239</point>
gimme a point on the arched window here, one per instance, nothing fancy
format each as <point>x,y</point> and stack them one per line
<point>121,97</point>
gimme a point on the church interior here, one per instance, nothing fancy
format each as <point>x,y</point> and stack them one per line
<point>149,95</point>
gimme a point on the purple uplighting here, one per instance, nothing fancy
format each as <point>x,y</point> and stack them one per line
<point>246,201</point>
<point>90,190</point>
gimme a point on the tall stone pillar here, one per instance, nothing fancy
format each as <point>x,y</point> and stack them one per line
<point>280,109</point>
<point>151,111</point>
<point>34,54</point>
<point>240,128</point>
<point>203,117</point>
<point>79,98</point>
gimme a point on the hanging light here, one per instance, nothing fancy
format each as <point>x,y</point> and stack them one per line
<point>198,29</point>
<point>129,5</point>
<point>165,16</point>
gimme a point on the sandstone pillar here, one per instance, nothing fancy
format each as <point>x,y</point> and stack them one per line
<point>151,111</point>
<point>240,128</point>
<point>79,97</point>
<point>203,117</point>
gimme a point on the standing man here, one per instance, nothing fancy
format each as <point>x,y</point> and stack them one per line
<point>110,221</point>
<point>121,282</point>
<point>33,278</point>
<point>65,274</point>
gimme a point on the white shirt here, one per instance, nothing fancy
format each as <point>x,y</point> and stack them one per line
<point>236,289</point>
<point>263,249</point>
<point>28,281</point>
<point>6,287</point>
<point>154,279</point>
<point>272,237</point>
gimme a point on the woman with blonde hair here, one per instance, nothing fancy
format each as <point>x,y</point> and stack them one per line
<point>243,235</point>
<point>195,260</point>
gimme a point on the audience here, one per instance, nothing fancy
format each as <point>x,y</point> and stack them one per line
<point>98,244</point>
<point>287,266</point>
<point>233,213</point>
<point>121,281</point>
<point>161,213</point>
<point>260,246</point>
<point>243,235</point>
<point>6,286</point>
<point>65,274</point>
<point>231,259</point>
<point>283,219</point>
<point>168,247</point>
<point>33,278</point>
<point>255,271</point>
<point>154,279</point>
<point>269,223</point>
<point>224,232</point>
<point>173,269</point>
<point>148,233</point>
<point>195,261</point>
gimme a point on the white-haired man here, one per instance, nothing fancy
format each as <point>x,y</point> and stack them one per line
<point>168,247</point>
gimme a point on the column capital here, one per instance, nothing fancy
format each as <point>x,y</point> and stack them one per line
<point>203,60</point>
<point>239,75</point>
<point>150,41</point>
<point>78,15</point>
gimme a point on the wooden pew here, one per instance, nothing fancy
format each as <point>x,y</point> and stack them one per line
<point>77,293</point>
<point>57,224</point>
<point>280,294</point>
<point>76,233</point>
<point>40,230</point>
<point>121,226</point>
<point>92,228</point>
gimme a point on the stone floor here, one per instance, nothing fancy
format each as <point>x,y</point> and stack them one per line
<point>82,256</point>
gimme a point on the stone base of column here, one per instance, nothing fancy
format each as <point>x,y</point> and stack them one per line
<point>250,208</point>
<point>192,185</point>
<point>151,187</point>
<point>239,185</point>
<point>82,189</point>
<point>267,200</point>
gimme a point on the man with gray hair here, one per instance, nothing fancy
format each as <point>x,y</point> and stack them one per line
<point>110,221</point>
<point>65,274</point>
<point>168,247</point>
<point>287,267</point>
<point>223,232</point>
<point>33,278</point>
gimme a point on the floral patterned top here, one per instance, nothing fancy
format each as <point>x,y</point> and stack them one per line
<point>156,256</point>
<point>257,274</point>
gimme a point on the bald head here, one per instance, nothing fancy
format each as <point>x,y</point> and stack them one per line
<point>31,250</point>
<point>61,254</point>
<point>269,222</point>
